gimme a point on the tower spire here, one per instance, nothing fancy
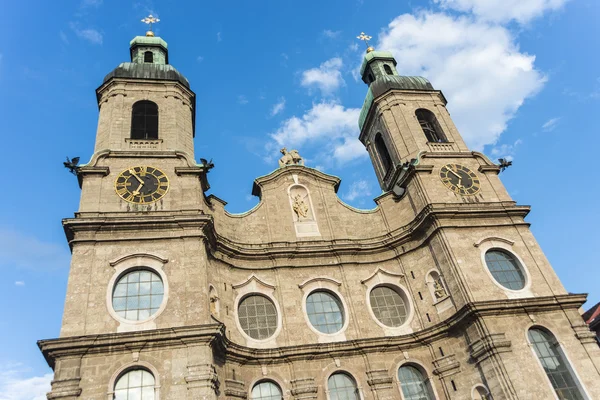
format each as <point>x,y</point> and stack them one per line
<point>150,19</point>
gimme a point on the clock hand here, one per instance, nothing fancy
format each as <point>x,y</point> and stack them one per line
<point>137,191</point>
<point>132,172</point>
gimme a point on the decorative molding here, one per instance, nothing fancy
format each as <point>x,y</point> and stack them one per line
<point>234,388</point>
<point>488,346</point>
<point>383,272</point>
<point>202,376</point>
<point>65,389</point>
<point>492,238</point>
<point>214,334</point>
<point>255,279</point>
<point>304,388</point>
<point>584,334</point>
<point>138,255</point>
<point>379,379</point>
<point>446,366</point>
<point>317,279</point>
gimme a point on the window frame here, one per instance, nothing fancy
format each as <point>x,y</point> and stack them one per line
<point>331,285</point>
<point>258,294</point>
<point>343,310</point>
<point>151,57</point>
<point>269,379</point>
<point>490,243</point>
<point>433,120</point>
<point>396,289</point>
<point>558,343</point>
<point>253,285</point>
<point>130,263</point>
<point>350,376</point>
<point>145,102</point>
<point>110,394</point>
<point>380,158</point>
<point>424,372</point>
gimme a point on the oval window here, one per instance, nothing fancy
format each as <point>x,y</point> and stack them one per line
<point>325,312</point>
<point>388,306</point>
<point>138,295</point>
<point>505,269</point>
<point>258,317</point>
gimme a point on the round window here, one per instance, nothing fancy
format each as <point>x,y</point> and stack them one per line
<point>138,295</point>
<point>257,316</point>
<point>325,312</point>
<point>505,269</point>
<point>388,306</point>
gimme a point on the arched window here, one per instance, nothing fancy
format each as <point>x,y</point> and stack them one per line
<point>555,364</point>
<point>148,57</point>
<point>342,387</point>
<point>480,392</point>
<point>387,69</point>
<point>135,384</point>
<point>388,306</point>
<point>257,316</point>
<point>266,390</point>
<point>144,120</point>
<point>138,295</point>
<point>414,385</point>
<point>505,269</point>
<point>384,155</point>
<point>325,311</point>
<point>430,126</point>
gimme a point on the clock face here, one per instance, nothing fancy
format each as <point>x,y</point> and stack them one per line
<point>460,179</point>
<point>142,185</point>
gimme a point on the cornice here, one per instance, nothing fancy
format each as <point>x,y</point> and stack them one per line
<point>262,181</point>
<point>432,218</point>
<point>214,335</point>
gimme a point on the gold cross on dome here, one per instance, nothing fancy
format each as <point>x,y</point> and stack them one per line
<point>366,39</point>
<point>150,19</point>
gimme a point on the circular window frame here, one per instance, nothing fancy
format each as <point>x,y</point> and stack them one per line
<point>130,264</point>
<point>520,265</point>
<point>402,293</point>
<point>244,296</point>
<point>344,310</point>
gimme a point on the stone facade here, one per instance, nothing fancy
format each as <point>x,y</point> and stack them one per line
<point>463,330</point>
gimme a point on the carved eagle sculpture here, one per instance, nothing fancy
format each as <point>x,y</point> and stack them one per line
<point>504,163</point>
<point>71,165</point>
<point>207,164</point>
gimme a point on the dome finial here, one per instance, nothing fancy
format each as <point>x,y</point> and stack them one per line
<point>366,38</point>
<point>150,20</point>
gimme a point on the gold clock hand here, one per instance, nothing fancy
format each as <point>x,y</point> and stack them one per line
<point>136,177</point>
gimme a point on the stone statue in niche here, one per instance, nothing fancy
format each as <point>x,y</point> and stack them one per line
<point>290,158</point>
<point>300,207</point>
<point>214,302</point>
<point>438,289</point>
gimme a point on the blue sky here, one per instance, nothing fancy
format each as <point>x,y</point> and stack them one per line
<point>521,77</point>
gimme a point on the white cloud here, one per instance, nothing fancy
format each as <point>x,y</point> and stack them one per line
<point>89,34</point>
<point>278,107</point>
<point>353,47</point>
<point>35,255</point>
<point>241,99</point>
<point>521,11</point>
<point>15,386</point>
<point>327,77</point>
<point>219,37</point>
<point>327,127</point>
<point>20,283</point>
<point>360,188</point>
<point>477,64</point>
<point>199,59</point>
<point>506,151</point>
<point>550,125</point>
<point>331,34</point>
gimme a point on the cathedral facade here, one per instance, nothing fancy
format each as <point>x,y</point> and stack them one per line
<point>440,292</point>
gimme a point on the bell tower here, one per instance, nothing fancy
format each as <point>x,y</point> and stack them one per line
<point>401,117</point>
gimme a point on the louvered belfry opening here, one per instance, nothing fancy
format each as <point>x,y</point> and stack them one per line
<point>144,120</point>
